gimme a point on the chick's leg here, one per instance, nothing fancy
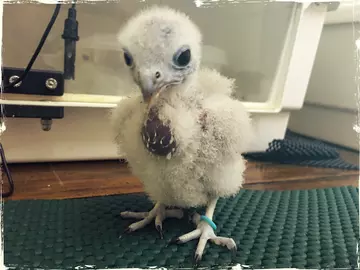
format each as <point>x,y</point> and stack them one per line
<point>159,213</point>
<point>204,232</point>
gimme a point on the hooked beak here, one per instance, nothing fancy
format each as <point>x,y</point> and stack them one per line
<point>149,88</point>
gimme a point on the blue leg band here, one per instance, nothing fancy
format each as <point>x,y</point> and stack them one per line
<point>208,221</point>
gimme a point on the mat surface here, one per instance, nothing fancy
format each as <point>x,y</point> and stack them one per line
<point>302,229</point>
<point>298,150</point>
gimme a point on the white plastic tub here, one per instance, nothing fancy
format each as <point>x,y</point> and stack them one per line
<point>331,106</point>
<point>268,47</point>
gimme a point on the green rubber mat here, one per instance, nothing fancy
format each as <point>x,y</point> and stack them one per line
<point>299,229</point>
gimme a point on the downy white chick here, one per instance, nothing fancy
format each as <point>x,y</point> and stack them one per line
<point>184,134</point>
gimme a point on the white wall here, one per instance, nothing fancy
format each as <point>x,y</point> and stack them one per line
<point>332,100</point>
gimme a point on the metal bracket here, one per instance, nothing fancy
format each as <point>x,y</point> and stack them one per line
<point>26,111</point>
<point>46,114</point>
<point>37,82</point>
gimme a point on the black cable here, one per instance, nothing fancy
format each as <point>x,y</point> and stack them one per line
<point>20,79</point>
<point>7,172</point>
<point>38,49</point>
<point>70,36</point>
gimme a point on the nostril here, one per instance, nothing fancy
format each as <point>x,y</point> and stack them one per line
<point>157,75</point>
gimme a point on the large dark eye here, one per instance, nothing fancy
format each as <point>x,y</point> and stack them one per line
<point>128,59</point>
<point>182,58</point>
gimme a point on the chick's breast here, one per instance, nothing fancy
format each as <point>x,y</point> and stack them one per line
<point>173,181</point>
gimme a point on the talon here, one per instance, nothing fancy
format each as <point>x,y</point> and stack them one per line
<point>197,260</point>
<point>159,229</point>
<point>126,231</point>
<point>233,250</point>
<point>174,240</point>
<point>190,216</point>
<point>191,213</point>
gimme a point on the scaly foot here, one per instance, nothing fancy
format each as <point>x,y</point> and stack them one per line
<point>159,213</point>
<point>204,232</point>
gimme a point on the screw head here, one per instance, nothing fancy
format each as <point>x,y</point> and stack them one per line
<point>13,79</point>
<point>51,83</point>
